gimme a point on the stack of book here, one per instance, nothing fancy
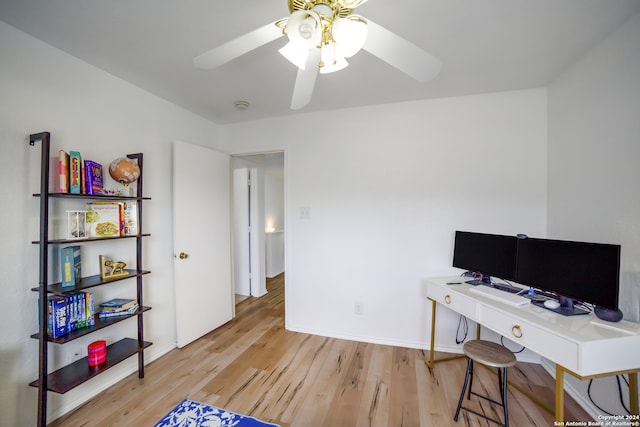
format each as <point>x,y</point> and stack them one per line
<point>77,176</point>
<point>69,312</point>
<point>111,219</point>
<point>118,307</point>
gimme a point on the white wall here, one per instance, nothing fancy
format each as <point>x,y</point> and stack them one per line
<point>274,242</point>
<point>44,89</point>
<point>274,221</point>
<point>274,198</point>
<point>386,190</point>
<point>594,150</point>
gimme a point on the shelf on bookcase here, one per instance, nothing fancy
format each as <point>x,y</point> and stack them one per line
<point>90,282</point>
<point>70,376</point>
<point>93,196</point>
<point>89,239</point>
<point>99,324</point>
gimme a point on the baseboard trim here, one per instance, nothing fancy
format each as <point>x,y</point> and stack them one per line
<point>406,344</point>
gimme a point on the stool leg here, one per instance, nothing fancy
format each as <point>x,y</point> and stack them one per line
<point>470,379</point>
<point>503,393</point>
<point>464,387</point>
<point>500,384</point>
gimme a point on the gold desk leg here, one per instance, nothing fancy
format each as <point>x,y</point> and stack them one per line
<point>559,393</point>
<point>633,393</point>
<point>633,388</point>
<point>431,362</point>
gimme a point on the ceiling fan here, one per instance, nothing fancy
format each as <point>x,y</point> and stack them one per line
<point>322,35</point>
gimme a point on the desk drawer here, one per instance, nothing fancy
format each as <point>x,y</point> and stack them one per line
<point>455,301</point>
<point>535,338</point>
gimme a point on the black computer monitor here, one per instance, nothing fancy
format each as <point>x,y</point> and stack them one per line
<point>485,254</point>
<point>587,272</point>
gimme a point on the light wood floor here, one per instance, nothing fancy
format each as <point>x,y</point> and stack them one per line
<point>253,366</point>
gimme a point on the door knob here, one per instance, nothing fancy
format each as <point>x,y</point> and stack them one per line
<point>183,255</point>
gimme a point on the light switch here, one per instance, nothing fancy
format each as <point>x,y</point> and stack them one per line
<point>305,212</point>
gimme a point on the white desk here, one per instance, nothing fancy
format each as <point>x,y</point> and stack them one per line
<point>575,344</point>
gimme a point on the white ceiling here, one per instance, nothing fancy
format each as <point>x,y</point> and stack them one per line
<point>485,46</point>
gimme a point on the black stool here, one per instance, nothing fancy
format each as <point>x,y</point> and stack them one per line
<point>489,354</point>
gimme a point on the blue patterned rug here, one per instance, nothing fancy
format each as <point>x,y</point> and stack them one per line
<point>189,413</point>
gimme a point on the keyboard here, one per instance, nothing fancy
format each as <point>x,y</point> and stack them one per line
<point>502,296</point>
<point>505,288</point>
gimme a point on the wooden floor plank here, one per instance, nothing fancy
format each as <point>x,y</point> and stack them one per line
<point>374,410</point>
<point>253,366</point>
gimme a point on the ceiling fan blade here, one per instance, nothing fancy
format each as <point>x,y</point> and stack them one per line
<point>351,4</point>
<point>238,47</point>
<point>305,81</point>
<point>401,53</point>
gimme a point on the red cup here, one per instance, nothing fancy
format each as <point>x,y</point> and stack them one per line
<point>97,352</point>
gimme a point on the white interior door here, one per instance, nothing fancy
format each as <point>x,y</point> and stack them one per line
<point>202,240</point>
<point>247,274</point>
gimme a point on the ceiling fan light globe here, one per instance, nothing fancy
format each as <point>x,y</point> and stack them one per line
<point>339,64</point>
<point>304,29</point>
<point>295,55</point>
<point>330,60</point>
<point>350,35</point>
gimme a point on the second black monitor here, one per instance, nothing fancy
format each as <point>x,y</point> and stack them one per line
<point>588,272</point>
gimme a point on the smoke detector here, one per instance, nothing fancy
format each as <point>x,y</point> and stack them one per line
<point>241,105</point>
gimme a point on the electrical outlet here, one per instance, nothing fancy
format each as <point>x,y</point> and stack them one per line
<point>76,354</point>
<point>357,308</point>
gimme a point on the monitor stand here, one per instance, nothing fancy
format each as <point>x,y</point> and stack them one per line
<point>566,308</point>
<point>483,280</point>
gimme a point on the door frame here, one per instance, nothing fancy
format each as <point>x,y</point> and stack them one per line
<point>259,237</point>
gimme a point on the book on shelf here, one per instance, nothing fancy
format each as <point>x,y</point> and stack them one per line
<point>70,266</point>
<point>63,172</point>
<point>106,313</point>
<point>75,172</point>
<point>130,218</point>
<point>90,308</point>
<point>105,219</point>
<point>84,310</point>
<point>77,316</point>
<point>118,304</point>
<point>93,177</point>
<point>83,180</point>
<point>58,320</point>
<point>69,312</point>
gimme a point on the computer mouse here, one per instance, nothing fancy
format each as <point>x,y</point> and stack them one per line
<point>552,304</point>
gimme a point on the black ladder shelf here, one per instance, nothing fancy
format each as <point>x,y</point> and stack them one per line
<point>78,372</point>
